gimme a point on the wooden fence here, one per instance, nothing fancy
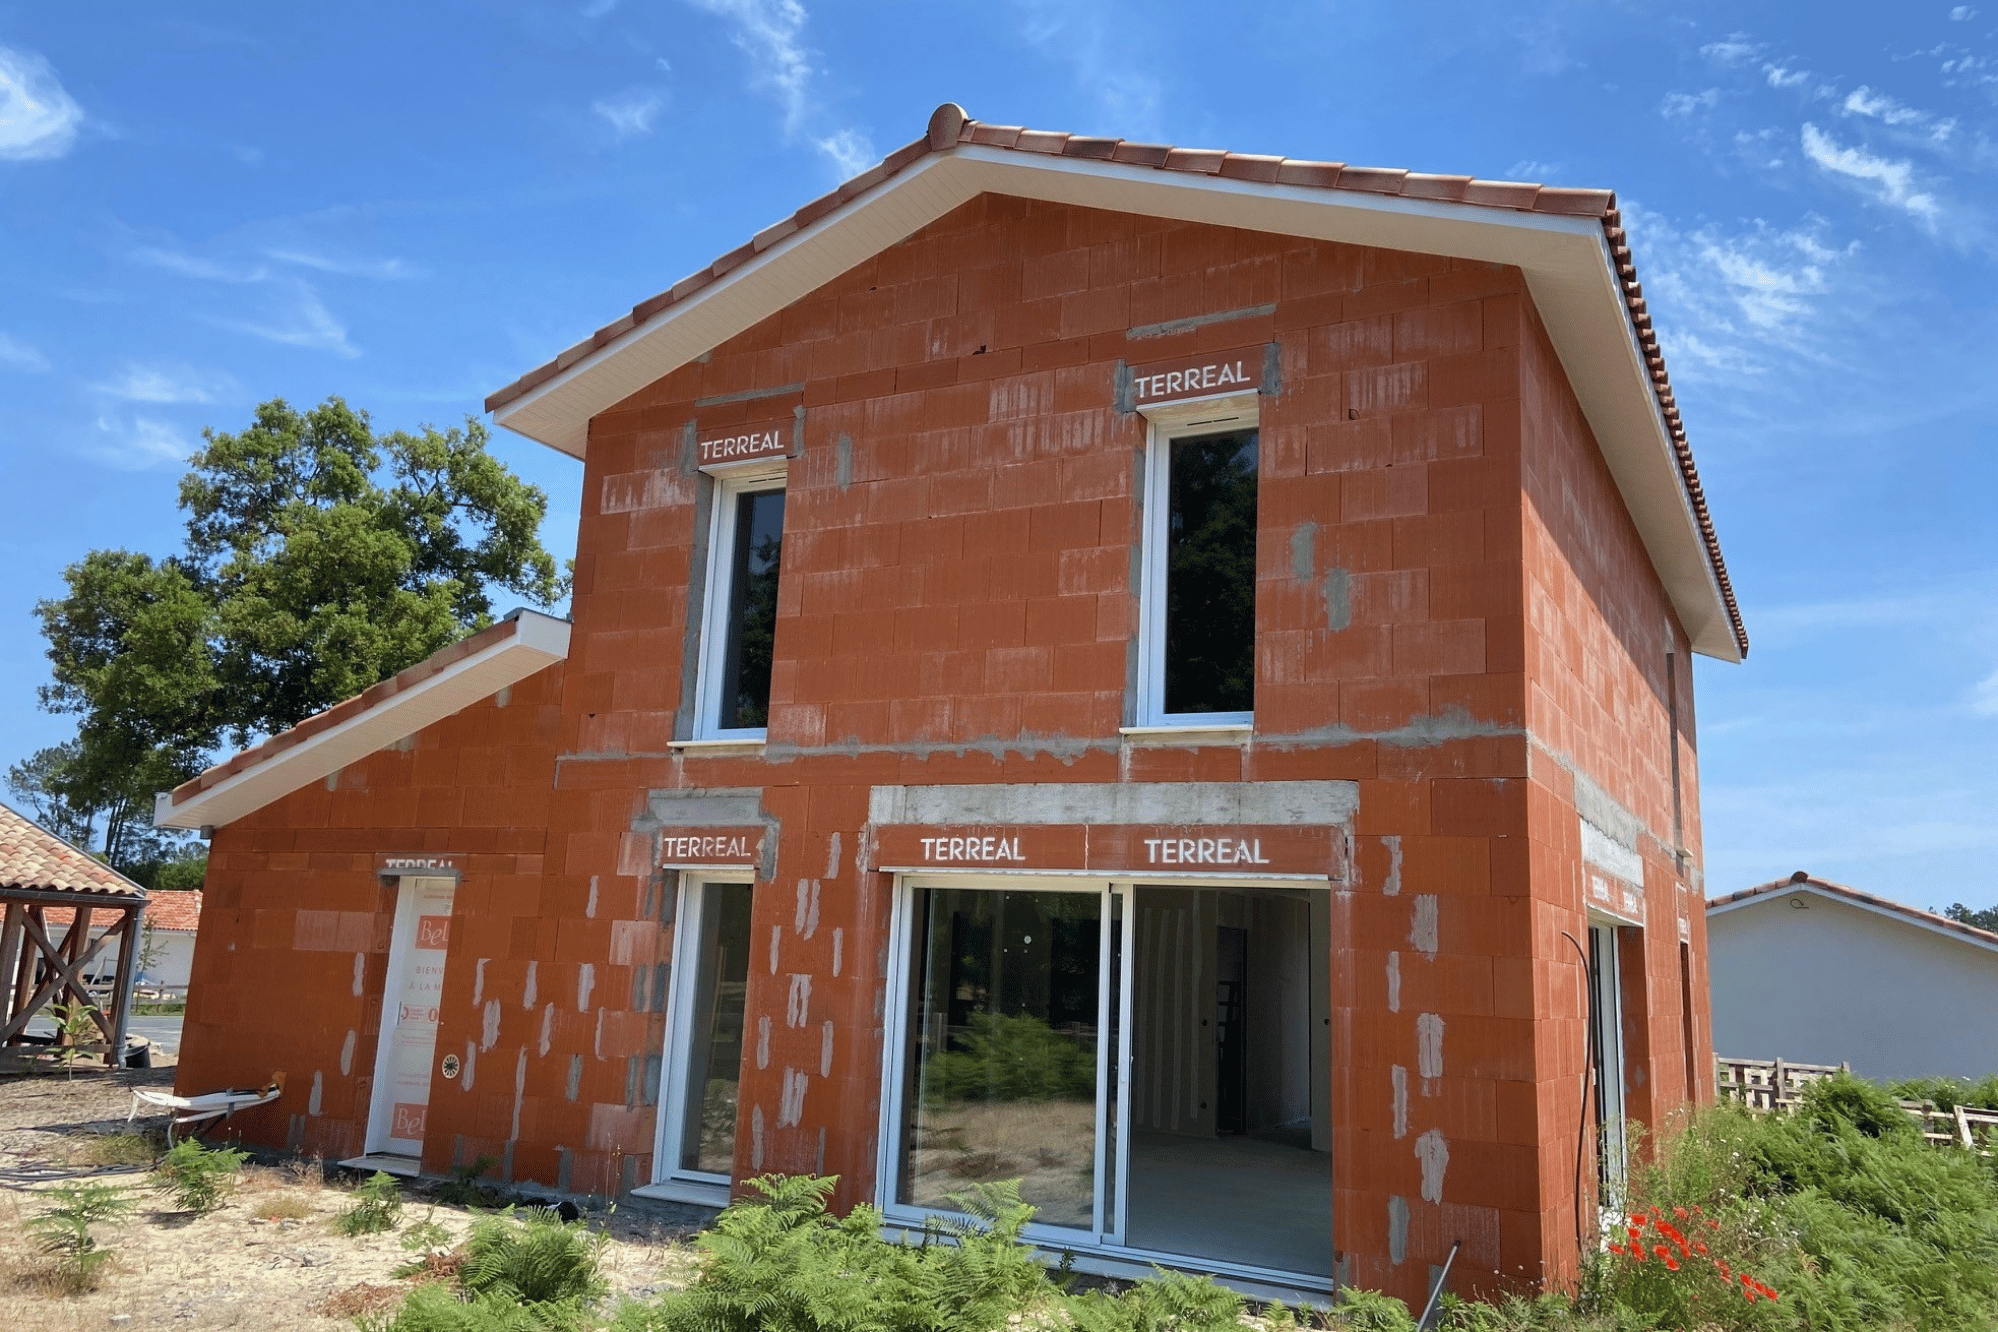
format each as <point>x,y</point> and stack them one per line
<point>1766,1085</point>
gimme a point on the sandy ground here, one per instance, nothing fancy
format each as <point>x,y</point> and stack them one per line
<point>268,1259</point>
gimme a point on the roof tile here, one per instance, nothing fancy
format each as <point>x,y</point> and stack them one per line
<point>35,859</point>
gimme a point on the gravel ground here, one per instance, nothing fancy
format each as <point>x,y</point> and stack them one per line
<point>267,1259</point>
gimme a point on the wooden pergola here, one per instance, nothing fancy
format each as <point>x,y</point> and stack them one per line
<point>55,899</point>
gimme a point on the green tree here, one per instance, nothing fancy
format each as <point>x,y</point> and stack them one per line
<point>320,558</point>
<point>1986,919</point>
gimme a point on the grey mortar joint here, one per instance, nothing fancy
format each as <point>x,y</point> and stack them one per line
<point>1167,328</point>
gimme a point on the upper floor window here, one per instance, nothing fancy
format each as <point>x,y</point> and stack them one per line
<point>745,555</point>
<point>1198,607</point>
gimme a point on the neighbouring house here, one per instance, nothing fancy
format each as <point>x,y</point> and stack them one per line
<point>1813,971</point>
<point>1160,674</point>
<point>60,909</point>
<point>166,943</point>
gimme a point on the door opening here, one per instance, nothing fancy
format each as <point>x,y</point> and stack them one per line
<point>405,1050</point>
<point>702,1071</point>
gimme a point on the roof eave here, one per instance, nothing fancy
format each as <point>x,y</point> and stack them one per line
<point>539,641</point>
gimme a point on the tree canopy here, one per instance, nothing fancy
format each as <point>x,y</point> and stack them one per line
<point>320,557</point>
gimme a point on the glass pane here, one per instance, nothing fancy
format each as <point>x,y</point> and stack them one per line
<point>752,609</point>
<point>1002,1057</point>
<point>1210,630</point>
<point>714,1052</point>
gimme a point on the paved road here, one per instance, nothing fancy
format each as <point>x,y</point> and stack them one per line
<point>161,1031</point>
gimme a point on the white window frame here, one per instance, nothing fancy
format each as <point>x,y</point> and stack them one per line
<point>718,589</point>
<point>1178,420</point>
<point>1101,1249</point>
<point>1606,1002</point>
<point>669,1179</point>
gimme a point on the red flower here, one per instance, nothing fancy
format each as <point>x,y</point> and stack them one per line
<point>1640,1220</point>
<point>1617,1248</point>
<point>1664,1253</point>
<point>1636,1233</point>
<point>1721,1267</point>
<point>1679,1212</point>
<point>1671,1263</point>
<point>1699,1248</point>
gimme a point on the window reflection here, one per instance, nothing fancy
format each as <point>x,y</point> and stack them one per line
<point>714,1056</point>
<point>1003,1032</point>
<point>1210,620</point>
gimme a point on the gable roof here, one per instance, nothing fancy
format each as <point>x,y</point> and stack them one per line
<point>454,677</point>
<point>33,859</point>
<point>1804,882</point>
<point>1569,243</point>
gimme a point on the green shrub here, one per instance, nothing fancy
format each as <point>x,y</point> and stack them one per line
<point>425,1235</point>
<point>197,1177</point>
<point>1949,1093</point>
<point>377,1207</point>
<point>435,1308</point>
<point>532,1257</point>
<point>463,1188</point>
<point>1841,1207</point>
<point>62,1229</point>
<point>1165,1302</point>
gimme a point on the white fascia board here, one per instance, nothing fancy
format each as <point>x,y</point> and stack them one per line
<point>1566,261</point>
<point>538,641</point>
<point>1904,918</point>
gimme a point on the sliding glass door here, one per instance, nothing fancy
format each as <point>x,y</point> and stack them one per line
<point>1010,1034</point>
<point>1144,1060</point>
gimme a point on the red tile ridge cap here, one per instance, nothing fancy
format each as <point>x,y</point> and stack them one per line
<point>950,128</point>
<point>346,709</point>
<point>1801,879</point>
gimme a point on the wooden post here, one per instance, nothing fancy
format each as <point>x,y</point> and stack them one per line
<point>121,991</point>
<point>10,957</point>
<point>24,978</point>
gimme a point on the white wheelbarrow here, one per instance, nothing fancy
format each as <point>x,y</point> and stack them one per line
<point>206,1107</point>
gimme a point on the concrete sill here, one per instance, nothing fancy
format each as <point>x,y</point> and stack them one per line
<point>684,1191</point>
<point>406,1166</point>
<point>716,747</point>
<point>1235,733</point>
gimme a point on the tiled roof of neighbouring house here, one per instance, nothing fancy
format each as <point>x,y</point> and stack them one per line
<point>1801,879</point>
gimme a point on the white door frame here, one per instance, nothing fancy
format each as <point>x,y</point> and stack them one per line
<point>669,1180</point>
<point>402,944</point>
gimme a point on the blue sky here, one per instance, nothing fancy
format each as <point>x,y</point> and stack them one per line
<point>203,205</point>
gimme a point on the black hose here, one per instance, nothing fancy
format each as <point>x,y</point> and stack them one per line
<point>1588,1079</point>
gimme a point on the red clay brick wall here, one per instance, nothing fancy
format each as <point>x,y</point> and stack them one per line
<point>1597,705</point>
<point>293,947</point>
<point>957,606</point>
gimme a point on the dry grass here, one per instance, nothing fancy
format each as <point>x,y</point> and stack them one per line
<point>113,1149</point>
<point>360,1299</point>
<point>282,1207</point>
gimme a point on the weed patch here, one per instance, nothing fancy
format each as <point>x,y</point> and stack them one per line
<point>377,1206</point>
<point>197,1178</point>
<point>282,1207</point>
<point>62,1230</point>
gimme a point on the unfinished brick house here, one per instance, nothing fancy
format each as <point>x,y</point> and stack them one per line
<point>1160,674</point>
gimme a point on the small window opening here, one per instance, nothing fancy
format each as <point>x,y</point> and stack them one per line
<point>1202,653</point>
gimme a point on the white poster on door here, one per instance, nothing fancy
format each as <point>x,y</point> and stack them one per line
<point>424,933</point>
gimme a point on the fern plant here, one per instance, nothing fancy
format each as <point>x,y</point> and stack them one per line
<point>197,1177</point>
<point>62,1228</point>
<point>533,1257</point>
<point>377,1207</point>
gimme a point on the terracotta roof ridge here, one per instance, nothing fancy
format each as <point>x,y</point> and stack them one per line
<point>1802,879</point>
<point>950,128</point>
<point>32,857</point>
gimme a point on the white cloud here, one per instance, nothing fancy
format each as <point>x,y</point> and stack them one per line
<point>1782,76</point>
<point>1530,168</point>
<point>771,34</point>
<point>138,443</point>
<point>1984,696</point>
<point>1685,104</point>
<point>1891,182</point>
<point>1733,51</point>
<point>164,384</point>
<point>1863,101</point>
<point>345,266</point>
<point>1725,300</point>
<point>1963,14</point>
<point>188,265</point>
<point>630,114</point>
<point>1095,45</point>
<point>18,355</point>
<point>307,324</point>
<point>598,8</point>
<point>37,118</point>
